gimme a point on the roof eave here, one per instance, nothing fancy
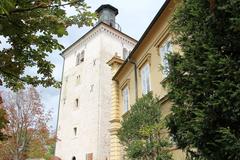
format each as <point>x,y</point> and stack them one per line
<point>143,37</point>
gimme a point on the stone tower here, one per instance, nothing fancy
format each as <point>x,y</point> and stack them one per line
<point>85,101</point>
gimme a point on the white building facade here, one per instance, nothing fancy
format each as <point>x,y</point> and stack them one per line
<point>85,101</point>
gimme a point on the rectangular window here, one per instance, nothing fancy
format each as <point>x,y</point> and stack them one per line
<point>80,57</point>
<point>125,97</point>
<point>145,77</point>
<point>75,131</point>
<point>77,102</point>
<point>91,88</point>
<point>164,51</point>
<point>94,62</point>
<point>78,79</point>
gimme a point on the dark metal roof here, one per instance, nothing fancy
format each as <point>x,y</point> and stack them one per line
<point>143,37</point>
<point>107,6</point>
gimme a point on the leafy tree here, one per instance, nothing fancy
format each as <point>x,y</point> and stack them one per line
<point>143,133</point>
<point>42,145</point>
<point>3,119</point>
<point>3,122</point>
<point>31,29</point>
<point>27,130</point>
<point>204,81</point>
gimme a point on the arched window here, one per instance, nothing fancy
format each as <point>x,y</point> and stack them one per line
<point>73,158</point>
<point>80,58</point>
<point>125,53</point>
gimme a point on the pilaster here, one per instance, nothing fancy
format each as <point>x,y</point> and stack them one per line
<point>115,147</point>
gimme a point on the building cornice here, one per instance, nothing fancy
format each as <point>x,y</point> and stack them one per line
<point>99,28</point>
<point>149,28</point>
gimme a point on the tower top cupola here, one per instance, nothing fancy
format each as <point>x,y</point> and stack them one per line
<point>107,14</point>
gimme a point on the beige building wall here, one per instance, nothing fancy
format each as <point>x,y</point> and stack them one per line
<point>146,51</point>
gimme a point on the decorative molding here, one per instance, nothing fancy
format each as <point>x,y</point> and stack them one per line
<point>115,120</point>
<point>163,99</point>
<point>115,59</point>
<point>143,60</point>
<point>162,36</point>
<point>94,33</point>
<point>125,83</point>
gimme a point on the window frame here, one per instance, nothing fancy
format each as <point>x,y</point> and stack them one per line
<point>80,58</point>
<point>165,49</point>
<point>77,102</point>
<point>75,131</point>
<point>125,53</point>
<point>125,92</point>
<point>145,73</point>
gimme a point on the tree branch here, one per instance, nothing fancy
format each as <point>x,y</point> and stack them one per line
<point>40,6</point>
<point>14,76</point>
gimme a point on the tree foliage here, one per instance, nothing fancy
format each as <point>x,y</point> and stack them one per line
<point>143,133</point>
<point>3,120</point>
<point>27,130</point>
<point>204,81</point>
<point>31,29</point>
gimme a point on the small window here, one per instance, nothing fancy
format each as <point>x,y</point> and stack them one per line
<point>78,79</point>
<point>64,100</point>
<point>89,156</point>
<point>125,98</point>
<point>80,58</point>
<point>91,88</point>
<point>125,53</point>
<point>94,62</point>
<point>75,131</point>
<point>145,78</point>
<point>164,51</point>
<point>76,102</point>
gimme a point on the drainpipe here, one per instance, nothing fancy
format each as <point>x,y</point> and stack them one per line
<point>135,74</point>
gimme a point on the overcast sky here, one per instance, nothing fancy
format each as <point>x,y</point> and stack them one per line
<point>134,17</point>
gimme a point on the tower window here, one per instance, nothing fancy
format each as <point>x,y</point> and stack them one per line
<point>125,53</point>
<point>80,57</point>
<point>78,60</point>
<point>78,81</point>
<point>94,62</point>
<point>77,102</point>
<point>73,158</point>
<point>75,131</point>
<point>91,88</point>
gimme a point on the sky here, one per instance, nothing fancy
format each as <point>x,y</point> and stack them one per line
<point>134,17</point>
